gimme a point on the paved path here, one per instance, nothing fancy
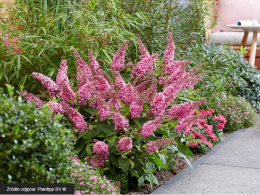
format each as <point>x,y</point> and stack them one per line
<point>232,167</point>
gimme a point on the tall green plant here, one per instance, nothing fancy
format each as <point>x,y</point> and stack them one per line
<point>47,30</point>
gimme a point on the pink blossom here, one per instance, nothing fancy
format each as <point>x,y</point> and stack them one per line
<point>119,121</point>
<point>119,81</point>
<point>85,93</point>
<point>101,149</point>
<point>97,162</point>
<point>66,92</point>
<point>221,126</point>
<point>209,144</point>
<point>186,123</point>
<point>202,121</point>
<point>222,118</point>
<point>77,192</point>
<point>149,94</point>
<point>175,66</point>
<point>103,112</point>
<point>119,58</point>
<point>136,108</point>
<point>184,110</point>
<point>194,144</point>
<point>197,134</point>
<point>102,84</point>
<point>142,86</point>
<point>48,83</point>
<point>17,50</point>
<point>144,67</point>
<point>149,127</point>
<point>56,107</point>
<point>215,118</point>
<point>170,50</point>
<point>32,98</point>
<point>62,74</point>
<point>171,91</point>
<point>83,71</point>
<point>158,104</point>
<point>213,137</point>
<point>142,50</point>
<point>76,118</point>
<point>125,144</point>
<point>127,94</point>
<point>97,102</point>
<point>151,149</point>
<point>93,64</point>
<point>114,103</point>
<point>209,127</point>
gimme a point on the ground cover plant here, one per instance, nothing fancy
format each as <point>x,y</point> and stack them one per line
<point>126,117</point>
<point>35,148</point>
<point>239,112</point>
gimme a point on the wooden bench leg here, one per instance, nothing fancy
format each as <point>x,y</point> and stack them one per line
<point>253,48</point>
<point>243,43</point>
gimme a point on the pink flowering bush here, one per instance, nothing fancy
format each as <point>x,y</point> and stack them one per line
<point>205,132</point>
<point>126,117</point>
<point>88,180</point>
<point>238,112</point>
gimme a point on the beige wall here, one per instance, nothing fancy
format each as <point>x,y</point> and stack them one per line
<point>6,3</point>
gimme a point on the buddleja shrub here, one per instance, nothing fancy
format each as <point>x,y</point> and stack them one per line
<point>126,117</point>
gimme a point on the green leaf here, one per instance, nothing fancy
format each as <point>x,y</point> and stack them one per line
<point>158,162</point>
<point>124,164</point>
<point>134,173</point>
<point>185,150</point>
<point>140,181</point>
<point>92,111</point>
<point>113,160</point>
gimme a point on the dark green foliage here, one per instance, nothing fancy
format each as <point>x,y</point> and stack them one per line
<point>35,148</point>
<point>227,73</point>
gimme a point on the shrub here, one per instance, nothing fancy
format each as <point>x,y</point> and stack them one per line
<point>130,119</point>
<point>88,180</point>
<point>204,133</point>
<point>239,113</point>
<point>227,73</point>
<point>34,147</point>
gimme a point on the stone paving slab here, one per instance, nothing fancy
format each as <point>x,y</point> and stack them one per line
<point>217,179</point>
<point>243,151</point>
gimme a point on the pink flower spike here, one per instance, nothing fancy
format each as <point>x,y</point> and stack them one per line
<point>158,104</point>
<point>104,112</point>
<point>142,50</point>
<point>101,149</point>
<point>125,144</point>
<point>119,121</point>
<point>144,67</point>
<point>170,50</point>
<point>66,92</point>
<point>83,71</point>
<point>119,58</point>
<point>102,84</point>
<point>151,149</point>
<point>76,118</point>
<point>136,108</point>
<point>119,81</point>
<point>94,66</point>
<point>62,74</point>
<point>48,83</point>
<point>97,162</point>
<point>149,127</point>
<point>32,98</point>
<point>85,93</point>
<point>127,94</point>
<point>56,107</point>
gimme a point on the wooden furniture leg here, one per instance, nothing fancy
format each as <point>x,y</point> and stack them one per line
<point>243,43</point>
<point>253,48</point>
